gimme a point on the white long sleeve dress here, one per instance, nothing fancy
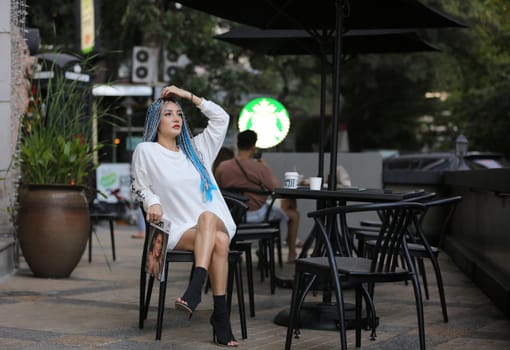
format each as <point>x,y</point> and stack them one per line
<point>168,178</point>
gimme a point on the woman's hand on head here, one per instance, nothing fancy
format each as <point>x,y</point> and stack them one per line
<point>174,91</point>
<point>154,213</point>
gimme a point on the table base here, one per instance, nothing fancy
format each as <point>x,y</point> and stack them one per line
<point>322,316</point>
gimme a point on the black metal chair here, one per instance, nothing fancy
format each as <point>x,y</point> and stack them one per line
<point>419,247</point>
<point>381,267</point>
<point>242,241</point>
<point>95,217</point>
<point>266,233</point>
<point>172,256</point>
<point>369,229</point>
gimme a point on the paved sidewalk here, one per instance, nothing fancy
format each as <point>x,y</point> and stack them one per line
<point>97,308</point>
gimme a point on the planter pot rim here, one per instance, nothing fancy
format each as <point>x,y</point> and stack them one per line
<point>53,187</point>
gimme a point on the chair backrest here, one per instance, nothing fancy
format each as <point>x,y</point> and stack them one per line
<point>391,241</point>
<point>448,203</point>
<point>422,198</point>
<point>242,191</point>
<point>237,206</point>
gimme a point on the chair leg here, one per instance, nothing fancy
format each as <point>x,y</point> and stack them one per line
<point>370,307</point>
<point>272,276</point>
<point>230,282</point>
<point>145,290</point>
<point>358,306</point>
<point>161,304</point>
<point>340,311</point>
<point>240,299</point>
<point>249,275</point>
<point>262,263</point>
<point>294,310</point>
<point>423,273</point>
<point>266,257</point>
<point>419,311</point>
<point>279,249</point>
<point>440,288</point>
<point>141,302</point>
<point>112,237</point>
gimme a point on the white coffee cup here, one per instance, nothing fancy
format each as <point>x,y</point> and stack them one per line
<point>291,179</point>
<point>315,183</point>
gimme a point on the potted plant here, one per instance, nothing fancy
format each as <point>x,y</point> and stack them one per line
<point>56,155</point>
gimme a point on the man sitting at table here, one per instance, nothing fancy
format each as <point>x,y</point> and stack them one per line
<point>246,172</point>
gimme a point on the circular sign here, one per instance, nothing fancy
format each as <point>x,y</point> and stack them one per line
<point>268,118</point>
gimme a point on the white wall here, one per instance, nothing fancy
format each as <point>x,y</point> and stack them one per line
<point>365,170</point>
<point>5,109</point>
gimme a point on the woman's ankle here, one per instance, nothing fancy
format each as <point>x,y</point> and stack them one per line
<point>219,303</point>
<point>193,294</point>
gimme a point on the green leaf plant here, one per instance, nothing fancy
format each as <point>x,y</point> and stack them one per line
<point>56,144</point>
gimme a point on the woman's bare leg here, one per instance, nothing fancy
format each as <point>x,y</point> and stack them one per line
<point>210,244</point>
<point>218,269</point>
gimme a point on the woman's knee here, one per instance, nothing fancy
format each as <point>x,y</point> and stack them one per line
<point>221,242</point>
<point>207,218</point>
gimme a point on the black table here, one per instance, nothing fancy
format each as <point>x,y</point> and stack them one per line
<point>345,194</point>
<point>340,197</point>
<point>323,315</point>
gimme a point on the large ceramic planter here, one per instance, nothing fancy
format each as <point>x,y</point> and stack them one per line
<point>53,228</point>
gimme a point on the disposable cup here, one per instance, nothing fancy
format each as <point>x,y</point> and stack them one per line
<point>291,179</point>
<point>315,183</point>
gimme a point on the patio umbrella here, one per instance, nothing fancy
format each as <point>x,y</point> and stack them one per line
<point>297,14</point>
<point>328,19</point>
<point>300,42</point>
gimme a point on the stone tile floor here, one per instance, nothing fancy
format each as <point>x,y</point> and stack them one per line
<point>97,308</point>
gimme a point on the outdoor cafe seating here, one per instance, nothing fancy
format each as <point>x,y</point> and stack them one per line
<point>362,273</point>
<point>418,244</point>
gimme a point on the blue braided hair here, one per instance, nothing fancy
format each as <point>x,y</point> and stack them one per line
<point>184,141</point>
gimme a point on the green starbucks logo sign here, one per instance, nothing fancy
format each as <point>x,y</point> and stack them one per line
<point>268,118</point>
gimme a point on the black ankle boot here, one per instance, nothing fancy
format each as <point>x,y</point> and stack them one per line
<point>220,322</point>
<point>193,295</point>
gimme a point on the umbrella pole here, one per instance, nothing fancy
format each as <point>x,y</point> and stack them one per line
<point>336,95</point>
<point>322,115</point>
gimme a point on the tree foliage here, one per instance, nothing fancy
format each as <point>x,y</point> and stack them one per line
<point>383,96</point>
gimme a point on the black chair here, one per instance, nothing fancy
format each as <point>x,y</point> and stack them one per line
<point>242,241</point>
<point>381,267</point>
<point>369,229</point>
<point>95,217</point>
<point>266,248</point>
<point>234,260</point>
<point>265,253</point>
<point>419,247</point>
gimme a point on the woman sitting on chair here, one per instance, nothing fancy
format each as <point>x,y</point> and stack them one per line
<point>172,178</point>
